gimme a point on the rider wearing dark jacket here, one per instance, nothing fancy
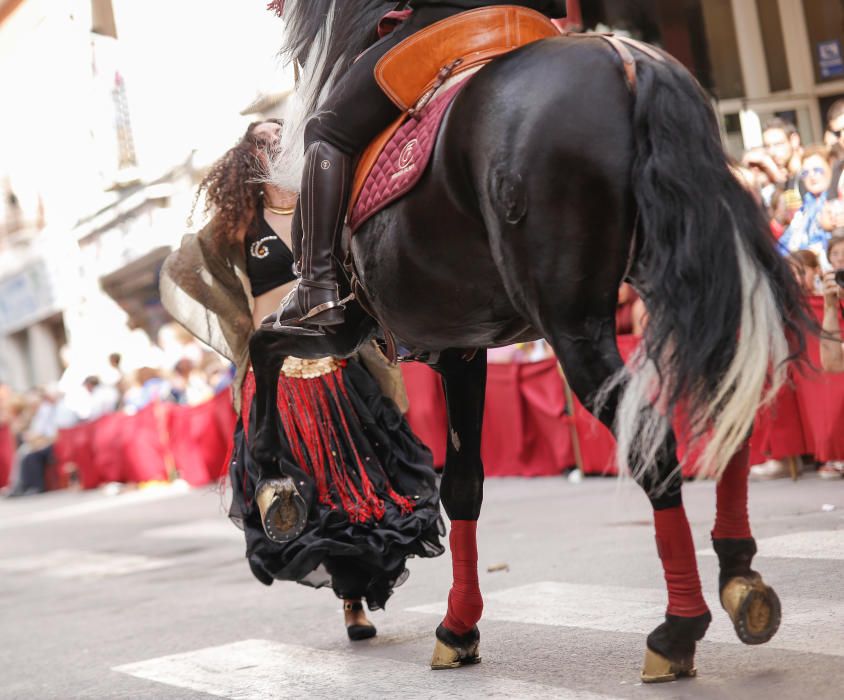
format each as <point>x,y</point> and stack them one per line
<point>354,112</point>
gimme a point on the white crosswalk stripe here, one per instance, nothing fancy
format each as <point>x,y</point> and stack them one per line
<point>207,529</point>
<point>266,670</point>
<point>78,564</point>
<point>14,518</point>
<point>809,625</point>
<point>813,544</point>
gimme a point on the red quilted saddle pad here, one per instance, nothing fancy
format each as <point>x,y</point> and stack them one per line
<point>403,160</point>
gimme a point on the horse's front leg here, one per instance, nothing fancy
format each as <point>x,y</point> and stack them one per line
<point>284,512</point>
<point>753,607</point>
<point>461,491</point>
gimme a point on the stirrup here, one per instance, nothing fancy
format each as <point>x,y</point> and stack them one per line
<point>309,324</point>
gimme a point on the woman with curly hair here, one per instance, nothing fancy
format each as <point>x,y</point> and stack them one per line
<point>367,482</point>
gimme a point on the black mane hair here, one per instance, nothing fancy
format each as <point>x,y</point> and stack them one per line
<point>353,30</point>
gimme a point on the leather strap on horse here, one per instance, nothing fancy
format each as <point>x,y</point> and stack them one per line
<point>620,45</point>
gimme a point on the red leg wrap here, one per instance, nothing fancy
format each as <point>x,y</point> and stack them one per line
<point>677,552</point>
<point>731,520</point>
<point>465,604</point>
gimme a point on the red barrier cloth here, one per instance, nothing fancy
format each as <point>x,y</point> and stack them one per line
<point>820,398</point>
<point>109,436</point>
<point>526,429</point>
<point>200,438</point>
<point>465,604</point>
<point>778,431</point>
<point>731,518</point>
<point>677,554</point>
<point>74,446</point>
<point>427,413</point>
<point>158,442</point>
<point>7,454</point>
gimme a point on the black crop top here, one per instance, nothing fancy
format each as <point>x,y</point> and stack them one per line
<point>269,262</point>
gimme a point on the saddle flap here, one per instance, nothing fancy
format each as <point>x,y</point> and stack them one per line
<point>411,68</point>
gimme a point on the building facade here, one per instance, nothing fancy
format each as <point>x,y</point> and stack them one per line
<point>757,58</point>
<point>103,142</point>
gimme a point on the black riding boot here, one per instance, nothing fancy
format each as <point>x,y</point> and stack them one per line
<point>315,301</point>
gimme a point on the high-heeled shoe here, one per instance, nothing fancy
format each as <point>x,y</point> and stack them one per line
<point>355,630</point>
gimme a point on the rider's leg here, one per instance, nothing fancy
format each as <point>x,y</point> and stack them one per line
<point>316,300</point>
<point>351,116</point>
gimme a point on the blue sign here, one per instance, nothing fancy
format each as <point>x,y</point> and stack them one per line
<point>830,59</point>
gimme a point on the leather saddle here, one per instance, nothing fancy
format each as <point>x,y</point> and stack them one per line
<point>418,68</point>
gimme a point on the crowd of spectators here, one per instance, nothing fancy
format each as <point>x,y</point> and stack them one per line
<point>802,188</point>
<point>178,370</point>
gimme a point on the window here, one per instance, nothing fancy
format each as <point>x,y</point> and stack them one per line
<point>702,35</point>
<point>825,21</point>
<point>770,23</point>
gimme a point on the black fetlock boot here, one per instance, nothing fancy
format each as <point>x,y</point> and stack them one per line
<point>453,650</point>
<point>753,607</point>
<point>734,559</point>
<point>315,301</point>
<point>671,648</point>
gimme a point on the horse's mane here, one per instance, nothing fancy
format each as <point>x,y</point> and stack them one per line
<point>324,36</point>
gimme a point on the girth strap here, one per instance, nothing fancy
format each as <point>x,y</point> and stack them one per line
<point>360,294</point>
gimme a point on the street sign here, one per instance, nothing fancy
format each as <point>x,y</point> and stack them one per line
<point>830,59</point>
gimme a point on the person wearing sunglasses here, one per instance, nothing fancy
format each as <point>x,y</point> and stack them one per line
<point>806,231</point>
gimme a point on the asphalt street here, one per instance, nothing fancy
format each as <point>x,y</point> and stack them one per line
<point>147,594</point>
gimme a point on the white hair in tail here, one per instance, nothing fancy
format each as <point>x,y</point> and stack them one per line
<point>755,375</point>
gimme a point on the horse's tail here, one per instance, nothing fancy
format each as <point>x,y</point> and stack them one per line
<point>725,313</point>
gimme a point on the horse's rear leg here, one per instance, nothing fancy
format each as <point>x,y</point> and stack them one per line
<point>753,607</point>
<point>588,352</point>
<point>461,491</point>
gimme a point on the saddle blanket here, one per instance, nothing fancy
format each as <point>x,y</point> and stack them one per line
<point>403,161</point>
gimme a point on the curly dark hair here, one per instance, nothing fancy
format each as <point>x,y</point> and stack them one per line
<point>233,185</point>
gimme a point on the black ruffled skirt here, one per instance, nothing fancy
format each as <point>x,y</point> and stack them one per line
<point>369,483</point>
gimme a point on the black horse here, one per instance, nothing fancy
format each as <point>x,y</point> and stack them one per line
<point>551,183</point>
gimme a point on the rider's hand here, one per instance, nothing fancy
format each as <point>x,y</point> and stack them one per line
<point>831,290</point>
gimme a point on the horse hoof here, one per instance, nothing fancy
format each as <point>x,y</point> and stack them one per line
<point>658,669</point>
<point>283,511</point>
<point>453,650</point>
<point>753,607</point>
